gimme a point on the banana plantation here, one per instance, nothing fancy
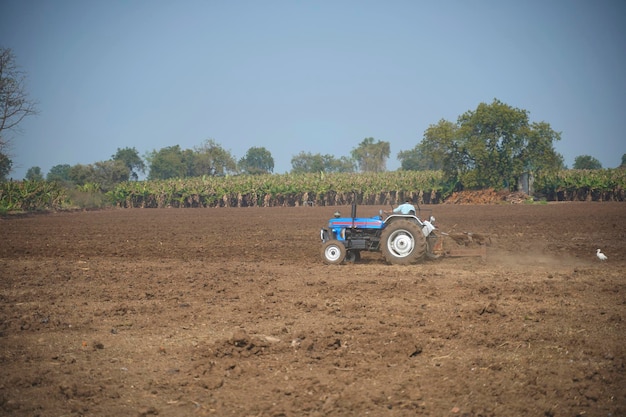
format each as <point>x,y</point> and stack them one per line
<point>425,187</point>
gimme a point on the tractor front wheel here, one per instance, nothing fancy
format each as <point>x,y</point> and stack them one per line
<point>333,252</point>
<point>403,243</point>
<point>353,256</point>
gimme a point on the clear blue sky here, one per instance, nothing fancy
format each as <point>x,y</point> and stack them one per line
<point>316,76</point>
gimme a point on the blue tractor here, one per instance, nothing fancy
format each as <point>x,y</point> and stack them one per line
<point>403,239</point>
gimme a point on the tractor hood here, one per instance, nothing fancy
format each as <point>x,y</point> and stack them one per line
<point>360,222</point>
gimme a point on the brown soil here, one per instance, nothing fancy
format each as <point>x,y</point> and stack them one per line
<point>183,312</point>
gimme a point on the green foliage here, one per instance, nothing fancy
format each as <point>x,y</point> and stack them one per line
<point>623,164</point>
<point>109,173</point>
<point>537,153</point>
<point>88,196</point>
<point>31,196</point>
<point>371,156</point>
<point>80,174</point>
<point>167,163</point>
<point>105,173</point>
<point>491,147</point>
<point>211,159</point>
<point>586,162</point>
<point>306,162</point>
<point>131,159</point>
<point>583,184</point>
<point>173,162</point>
<point>414,159</point>
<point>431,153</point>
<point>491,137</point>
<point>59,173</point>
<point>257,161</point>
<point>5,166</point>
<point>288,189</point>
<point>343,164</point>
<point>291,189</point>
<point>34,174</point>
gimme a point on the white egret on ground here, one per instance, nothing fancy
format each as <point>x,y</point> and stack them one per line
<point>601,256</point>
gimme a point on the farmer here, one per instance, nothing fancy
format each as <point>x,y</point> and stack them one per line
<point>404,208</point>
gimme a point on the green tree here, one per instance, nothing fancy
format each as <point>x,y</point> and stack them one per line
<point>104,173</point>
<point>109,173</point>
<point>432,151</point>
<point>623,164</point>
<point>167,163</point>
<point>491,136</point>
<point>15,104</point>
<point>211,159</point>
<point>59,173</point>
<point>308,162</point>
<point>34,174</point>
<point>257,160</point>
<point>538,153</point>
<point>5,166</point>
<point>371,156</point>
<point>495,144</point>
<point>414,160</point>
<point>80,174</point>
<point>189,160</point>
<point>131,159</point>
<point>586,162</point>
<point>343,164</point>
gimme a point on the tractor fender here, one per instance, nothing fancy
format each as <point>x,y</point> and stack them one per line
<point>410,217</point>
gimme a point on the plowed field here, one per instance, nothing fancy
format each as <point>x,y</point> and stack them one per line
<point>231,312</point>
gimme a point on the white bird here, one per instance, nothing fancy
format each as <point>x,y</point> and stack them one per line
<point>601,256</point>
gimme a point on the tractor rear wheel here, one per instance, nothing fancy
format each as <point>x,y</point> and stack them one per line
<point>333,252</point>
<point>403,243</point>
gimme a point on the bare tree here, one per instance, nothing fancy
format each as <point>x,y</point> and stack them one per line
<point>15,104</point>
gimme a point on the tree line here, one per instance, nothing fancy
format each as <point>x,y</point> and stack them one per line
<point>488,147</point>
<point>208,159</point>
